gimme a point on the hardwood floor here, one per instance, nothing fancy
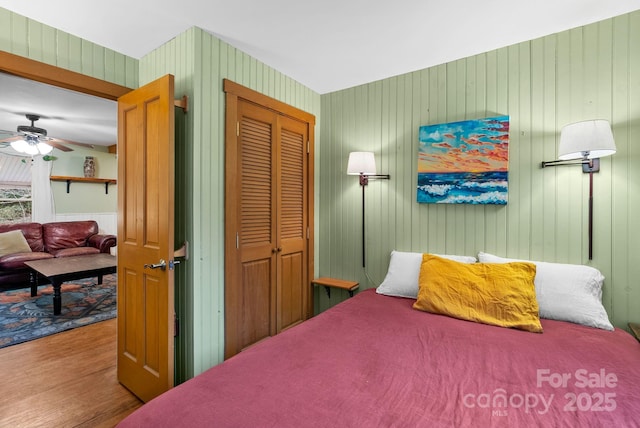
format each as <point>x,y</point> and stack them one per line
<point>64,380</point>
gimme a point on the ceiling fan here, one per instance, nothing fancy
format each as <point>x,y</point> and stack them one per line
<point>32,140</point>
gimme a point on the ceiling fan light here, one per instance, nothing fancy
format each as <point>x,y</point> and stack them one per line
<point>20,146</point>
<point>31,149</point>
<point>44,148</point>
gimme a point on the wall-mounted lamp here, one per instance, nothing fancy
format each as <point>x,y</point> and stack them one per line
<point>363,164</point>
<point>584,143</point>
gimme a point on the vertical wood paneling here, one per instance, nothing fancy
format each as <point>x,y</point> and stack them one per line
<point>31,39</point>
<point>200,61</point>
<point>585,73</point>
<point>632,291</point>
<point>624,252</point>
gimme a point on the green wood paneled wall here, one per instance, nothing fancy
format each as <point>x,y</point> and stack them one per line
<point>200,62</point>
<point>28,38</point>
<point>585,73</point>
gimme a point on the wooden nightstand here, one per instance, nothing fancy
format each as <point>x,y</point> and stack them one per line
<point>635,329</point>
<point>329,283</point>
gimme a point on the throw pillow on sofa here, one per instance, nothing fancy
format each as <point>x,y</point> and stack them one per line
<point>13,242</point>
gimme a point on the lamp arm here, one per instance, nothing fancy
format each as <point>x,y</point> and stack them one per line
<point>588,165</point>
<point>545,164</point>
<point>379,176</point>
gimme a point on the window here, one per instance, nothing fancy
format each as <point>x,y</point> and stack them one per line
<point>15,204</point>
<point>15,189</point>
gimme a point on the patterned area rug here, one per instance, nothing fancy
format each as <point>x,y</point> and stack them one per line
<point>24,318</point>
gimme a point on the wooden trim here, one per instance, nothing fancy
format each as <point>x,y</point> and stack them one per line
<point>311,212</point>
<point>231,260</point>
<point>52,75</point>
<point>268,102</point>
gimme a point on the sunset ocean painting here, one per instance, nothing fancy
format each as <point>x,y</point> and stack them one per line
<point>464,162</point>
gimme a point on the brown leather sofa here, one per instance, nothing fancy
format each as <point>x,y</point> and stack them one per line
<point>48,240</point>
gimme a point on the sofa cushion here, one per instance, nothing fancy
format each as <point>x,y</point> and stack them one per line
<point>67,234</point>
<point>13,242</point>
<point>77,251</point>
<point>31,231</point>
<point>16,260</point>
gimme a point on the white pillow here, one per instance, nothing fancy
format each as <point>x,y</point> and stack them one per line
<point>566,292</point>
<point>404,270</point>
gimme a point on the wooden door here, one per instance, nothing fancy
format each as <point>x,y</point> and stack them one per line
<point>145,238</point>
<point>257,233</point>
<point>291,221</point>
<point>268,206</point>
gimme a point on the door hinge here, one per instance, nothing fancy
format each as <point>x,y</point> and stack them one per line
<point>237,240</point>
<point>176,326</point>
<point>308,233</point>
<point>238,129</point>
<point>308,146</point>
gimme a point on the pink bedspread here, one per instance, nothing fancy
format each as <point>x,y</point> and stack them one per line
<point>373,361</point>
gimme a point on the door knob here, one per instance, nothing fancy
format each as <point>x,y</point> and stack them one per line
<point>161,264</point>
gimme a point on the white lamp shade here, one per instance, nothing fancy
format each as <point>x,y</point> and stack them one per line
<point>19,146</point>
<point>592,138</point>
<point>44,148</point>
<point>361,163</point>
<point>31,147</point>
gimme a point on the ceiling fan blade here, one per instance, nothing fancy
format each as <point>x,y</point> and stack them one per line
<point>61,140</point>
<point>10,139</point>
<point>58,146</point>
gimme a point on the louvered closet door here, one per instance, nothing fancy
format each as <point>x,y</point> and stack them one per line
<point>257,223</point>
<point>268,217</point>
<point>291,223</point>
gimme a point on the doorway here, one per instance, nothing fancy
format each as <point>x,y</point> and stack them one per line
<point>40,72</point>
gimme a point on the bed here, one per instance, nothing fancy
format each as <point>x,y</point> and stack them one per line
<point>375,361</point>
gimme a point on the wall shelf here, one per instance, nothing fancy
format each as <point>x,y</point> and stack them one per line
<point>69,180</point>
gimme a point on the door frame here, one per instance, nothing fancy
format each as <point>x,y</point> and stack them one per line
<point>60,77</point>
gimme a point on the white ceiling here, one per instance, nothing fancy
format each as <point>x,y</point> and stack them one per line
<point>64,114</point>
<point>330,44</point>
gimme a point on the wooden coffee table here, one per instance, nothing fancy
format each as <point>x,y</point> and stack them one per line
<point>59,270</point>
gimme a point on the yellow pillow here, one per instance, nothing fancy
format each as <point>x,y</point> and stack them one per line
<point>13,242</point>
<point>496,294</point>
